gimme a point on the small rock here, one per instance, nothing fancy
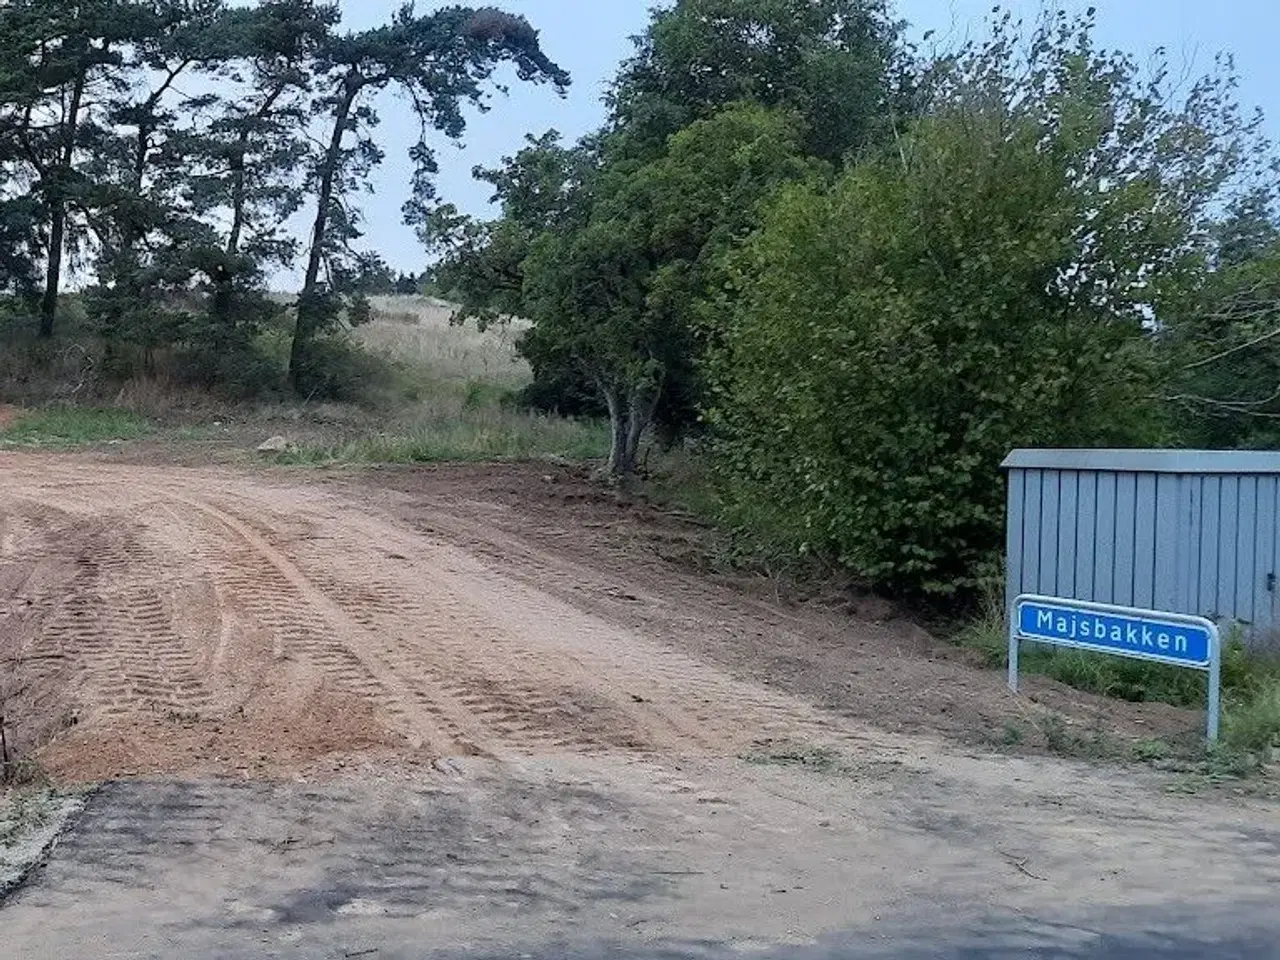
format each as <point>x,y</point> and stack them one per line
<point>275,445</point>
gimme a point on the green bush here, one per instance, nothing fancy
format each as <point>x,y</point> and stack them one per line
<point>1252,722</point>
<point>336,368</point>
<point>240,371</point>
<point>894,337</point>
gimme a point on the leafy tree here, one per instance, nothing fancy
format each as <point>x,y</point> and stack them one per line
<point>835,68</point>
<point>542,188</point>
<point>440,61</point>
<point>1225,336</point>
<point>245,159</point>
<point>613,298</point>
<point>137,164</point>
<point>996,279</point>
<point>57,63</point>
<point>481,265</point>
<point>19,272</point>
<point>19,233</point>
<point>837,64</point>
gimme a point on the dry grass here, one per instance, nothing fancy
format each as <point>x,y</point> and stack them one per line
<point>421,389</point>
<point>449,395</point>
<point>416,332</point>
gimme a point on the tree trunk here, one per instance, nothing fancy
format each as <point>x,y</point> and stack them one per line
<point>629,417</point>
<point>224,278</point>
<point>58,210</point>
<point>53,270</point>
<point>305,322</point>
<point>617,431</point>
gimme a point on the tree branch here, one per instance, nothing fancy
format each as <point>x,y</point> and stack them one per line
<point>1247,408</point>
<point>1257,341</point>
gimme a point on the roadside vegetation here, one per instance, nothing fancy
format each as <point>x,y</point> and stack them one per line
<point>1250,735</point>
<point>810,281</point>
<point>73,426</point>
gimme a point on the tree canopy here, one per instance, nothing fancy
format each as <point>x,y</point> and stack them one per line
<point>609,245</point>
<point>163,144</point>
<point>1014,271</point>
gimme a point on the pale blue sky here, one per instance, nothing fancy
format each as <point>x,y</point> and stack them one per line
<point>590,37</point>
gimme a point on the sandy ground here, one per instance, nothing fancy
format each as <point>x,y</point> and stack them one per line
<point>431,714</point>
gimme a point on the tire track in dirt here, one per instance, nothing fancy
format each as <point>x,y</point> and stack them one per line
<point>709,709</point>
<point>545,674</point>
<point>447,655</point>
<point>203,607</point>
<point>115,627</point>
<point>306,622</point>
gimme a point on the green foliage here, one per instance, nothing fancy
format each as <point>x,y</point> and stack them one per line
<point>835,64</point>
<point>614,296</point>
<point>610,246</point>
<point>893,341</point>
<point>335,368</point>
<point>1252,722</point>
<point>73,426</point>
<point>985,285</point>
<point>1226,337</point>
<point>797,756</point>
<point>1011,734</point>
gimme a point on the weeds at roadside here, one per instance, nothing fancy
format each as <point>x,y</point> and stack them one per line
<point>1250,694</point>
<point>24,811</point>
<point>1012,734</point>
<point>511,436</point>
<point>1252,723</point>
<point>1062,739</point>
<point>796,756</point>
<point>1152,751</point>
<point>73,426</point>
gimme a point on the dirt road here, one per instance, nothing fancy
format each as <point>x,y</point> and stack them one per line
<point>410,718</point>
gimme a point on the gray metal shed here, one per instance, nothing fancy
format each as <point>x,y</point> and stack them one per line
<point>1184,531</point>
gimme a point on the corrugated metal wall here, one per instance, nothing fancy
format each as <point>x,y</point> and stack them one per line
<point>1201,544</point>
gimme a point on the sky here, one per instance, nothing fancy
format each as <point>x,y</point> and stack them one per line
<point>590,37</point>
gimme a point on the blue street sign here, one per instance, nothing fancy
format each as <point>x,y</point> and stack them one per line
<point>1129,634</point>
<point>1172,638</point>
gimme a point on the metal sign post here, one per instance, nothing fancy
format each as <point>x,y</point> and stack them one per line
<point>1170,638</point>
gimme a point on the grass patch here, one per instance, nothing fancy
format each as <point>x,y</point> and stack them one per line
<point>682,481</point>
<point>73,426</point>
<point>509,436</point>
<point>797,756</point>
<point>1063,739</point>
<point>1252,722</point>
<point>446,397</point>
<point>1250,692</point>
<point>1011,734</point>
<point>25,811</point>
